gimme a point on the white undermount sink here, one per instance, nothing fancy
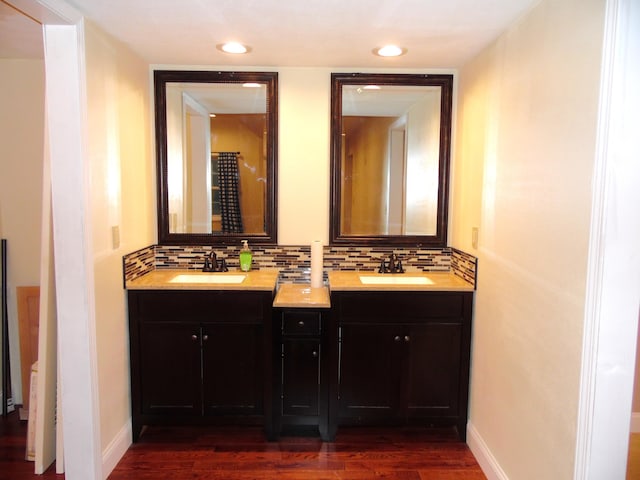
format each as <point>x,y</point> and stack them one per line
<point>394,280</point>
<point>207,278</point>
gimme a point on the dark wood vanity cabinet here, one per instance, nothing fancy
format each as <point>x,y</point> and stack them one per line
<point>404,358</point>
<point>200,357</point>
<point>229,356</point>
<point>301,366</point>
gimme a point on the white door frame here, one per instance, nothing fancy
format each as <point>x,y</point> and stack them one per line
<point>613,278</point>
<point>66,114</point>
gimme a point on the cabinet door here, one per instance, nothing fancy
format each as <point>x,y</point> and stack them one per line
<point>300,376</point>
<point>170,365</point>
<point>369,372</point>
<point>232,364</point>
<point>432,370</point>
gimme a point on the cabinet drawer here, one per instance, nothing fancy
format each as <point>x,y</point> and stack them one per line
<point>300,323</point>
<point>388,307</point>
<point>220,306</point>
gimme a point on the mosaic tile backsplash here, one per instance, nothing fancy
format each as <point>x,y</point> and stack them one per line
<point>294,262</point>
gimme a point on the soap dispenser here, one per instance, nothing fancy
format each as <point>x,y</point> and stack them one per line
<point>245,256</point>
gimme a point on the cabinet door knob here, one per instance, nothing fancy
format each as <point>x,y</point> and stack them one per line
<point>205,337</point>
<point>194,337</point>
<point>301,323</point>
<point>407,338</point>
<point>314,353</point>
<point>396,338</point>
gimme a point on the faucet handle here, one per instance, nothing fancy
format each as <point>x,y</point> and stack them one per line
<point>393,259</point>
<point>383,266</point>
<point>207,265</point>
<point>223,266</point>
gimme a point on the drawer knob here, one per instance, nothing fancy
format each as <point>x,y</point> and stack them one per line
<point>407,338</point>
<point>396,338</point>
<point>301,323</point>
<point>314,354</point>
<point>194,337</point>
<point>205,337</point>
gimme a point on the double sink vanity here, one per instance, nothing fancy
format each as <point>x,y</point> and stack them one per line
<point>246,349</point>
<point>262,347</point>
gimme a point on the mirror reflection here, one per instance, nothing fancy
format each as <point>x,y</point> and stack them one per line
<point>216,158</point>
<point>390,157</point>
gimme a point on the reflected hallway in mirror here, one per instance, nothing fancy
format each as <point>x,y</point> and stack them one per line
<point>390,158</point>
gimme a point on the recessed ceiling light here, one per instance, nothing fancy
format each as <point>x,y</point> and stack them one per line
<point>389,51</point>
<point>233,47</point>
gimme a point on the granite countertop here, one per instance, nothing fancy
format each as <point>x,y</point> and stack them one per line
<point>295,295</point>
<point>441,281</point>
<point>299,295</point>
<point>161,280</point>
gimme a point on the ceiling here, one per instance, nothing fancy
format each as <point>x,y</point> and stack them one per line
<point>330,33</point>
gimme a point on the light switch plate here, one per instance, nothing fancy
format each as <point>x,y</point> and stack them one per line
<point>115,237</point>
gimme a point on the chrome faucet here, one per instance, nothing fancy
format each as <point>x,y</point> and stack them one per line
<point>393,265</point>
<point>212,264</point>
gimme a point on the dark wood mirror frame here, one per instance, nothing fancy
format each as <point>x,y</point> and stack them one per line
<point>161,78</point>
<point>338,80</point>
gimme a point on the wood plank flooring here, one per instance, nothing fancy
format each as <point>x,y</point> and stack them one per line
<point>633,459</point>
<point>13,446</point>
<point>241,453</point>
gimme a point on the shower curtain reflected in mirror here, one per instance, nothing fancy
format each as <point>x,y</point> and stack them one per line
<point>230,192</point>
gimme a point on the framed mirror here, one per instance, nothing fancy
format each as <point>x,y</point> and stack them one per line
<point>216,135</point>
<point>390,148</point>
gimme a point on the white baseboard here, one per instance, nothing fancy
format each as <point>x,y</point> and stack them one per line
<point>116,449</point>
<point>635,422</point>
<point>485,458</point>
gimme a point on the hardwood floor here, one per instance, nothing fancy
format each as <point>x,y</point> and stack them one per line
<point>241,453</point>
<point>633,461</point>
<point>13,445</point>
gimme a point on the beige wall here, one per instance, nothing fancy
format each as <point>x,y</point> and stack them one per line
<point>123,196</point>
<point>304,150</point>
<point>303,155</point>
<point>22,141</point>
<point>523,166</point>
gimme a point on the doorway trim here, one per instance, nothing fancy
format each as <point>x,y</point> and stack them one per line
<point>613,284</point>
